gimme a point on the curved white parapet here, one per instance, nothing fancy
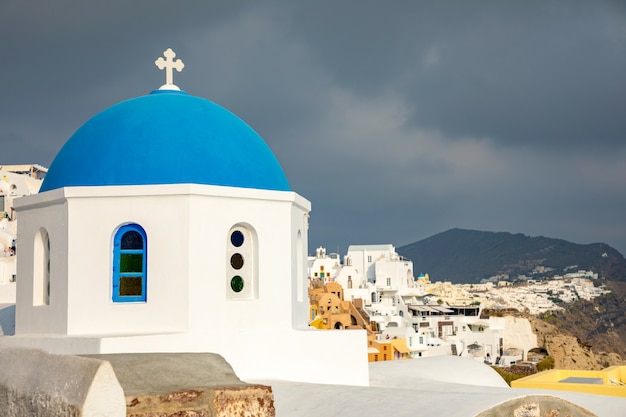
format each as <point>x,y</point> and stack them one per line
<point>36,383</point>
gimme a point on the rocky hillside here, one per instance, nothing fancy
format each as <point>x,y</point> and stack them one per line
<point>568,351</point>
<point>588,335</point>
<point>467,256</point>
<point>600,323</point>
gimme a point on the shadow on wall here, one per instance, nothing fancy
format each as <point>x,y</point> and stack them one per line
<point>7,320</point>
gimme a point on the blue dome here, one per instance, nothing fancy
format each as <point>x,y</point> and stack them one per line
<point>166,137</point>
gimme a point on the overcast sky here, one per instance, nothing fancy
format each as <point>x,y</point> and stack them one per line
<point>397,120</point>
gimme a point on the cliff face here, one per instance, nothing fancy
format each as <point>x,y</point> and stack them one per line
<point>568,352</point>
<point>600,323</point>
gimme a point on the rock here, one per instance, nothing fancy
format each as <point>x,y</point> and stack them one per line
<point>568,352</point>
<point>186,385</point>
<point>537,406</point>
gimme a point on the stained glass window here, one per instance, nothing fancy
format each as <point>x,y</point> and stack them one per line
<point>236,283</point>
<point>236,238</point>
<point>129,264</point>
<point>241,265</point>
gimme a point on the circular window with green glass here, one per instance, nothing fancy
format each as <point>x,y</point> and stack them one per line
<point>236,283</point>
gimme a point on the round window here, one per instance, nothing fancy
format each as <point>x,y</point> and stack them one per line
<point>236,238</point>
<point>236,261</point>
<point>236,283</point>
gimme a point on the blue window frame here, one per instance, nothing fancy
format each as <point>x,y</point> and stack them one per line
<point>129,264</point>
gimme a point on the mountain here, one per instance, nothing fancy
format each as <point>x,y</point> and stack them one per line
<point>467,256</point>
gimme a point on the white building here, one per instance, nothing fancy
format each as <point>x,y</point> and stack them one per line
<point>364,257</point>
<point>384,281</point>
<point>433,318</point>
<point>166,224</point>
<point>15,181</point>
<point>324,267</point>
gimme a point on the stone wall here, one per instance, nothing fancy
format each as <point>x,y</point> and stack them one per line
<point>34,383</point>
<point>186,384</point>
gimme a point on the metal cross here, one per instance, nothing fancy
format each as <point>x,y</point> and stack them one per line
<point>169,64</point>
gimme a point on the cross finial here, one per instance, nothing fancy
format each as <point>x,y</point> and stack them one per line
<point>169,64</point>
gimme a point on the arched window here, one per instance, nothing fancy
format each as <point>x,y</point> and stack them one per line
<point>241,264</point>
<point>129,264</point>
<point>299,267</point>
<point>41,269</point>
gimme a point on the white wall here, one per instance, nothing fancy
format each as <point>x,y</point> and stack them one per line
<point>300,209</point>
<point>518,333</point>
<point>188,307</point>
<point>260,353</point>
<point>93,224</point>
<point>364,257</point>
<point>271,220</point>
<point>400,272</point>
<point>48,212</point>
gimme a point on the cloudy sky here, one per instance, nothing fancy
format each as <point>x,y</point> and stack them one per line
<point>397,120</point>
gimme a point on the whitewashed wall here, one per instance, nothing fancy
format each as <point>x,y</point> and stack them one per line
<point>189,307</point>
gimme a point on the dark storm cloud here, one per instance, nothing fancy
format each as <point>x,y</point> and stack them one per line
<point>541,73</point>
<point>67,60</point>
<point>397,120</point>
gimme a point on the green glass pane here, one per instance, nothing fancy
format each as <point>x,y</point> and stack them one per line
<point>131,286</point>
<point>131,262</point>
<point>236,283</point>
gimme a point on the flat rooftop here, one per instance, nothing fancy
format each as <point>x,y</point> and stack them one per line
<point>610,381</point>
<point>440,386</point>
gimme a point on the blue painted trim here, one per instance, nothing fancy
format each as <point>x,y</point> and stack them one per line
<point>117,252</point>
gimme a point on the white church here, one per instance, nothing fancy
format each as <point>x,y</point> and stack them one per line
<point>166,224</point>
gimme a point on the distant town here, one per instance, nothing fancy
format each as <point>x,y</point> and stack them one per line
<point>408,316</point>
<point>534,296</point>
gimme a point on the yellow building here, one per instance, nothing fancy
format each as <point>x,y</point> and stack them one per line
<point>379,351</point>
<point>387,350</point>
<point>328,310</point>
<point>609,381</point>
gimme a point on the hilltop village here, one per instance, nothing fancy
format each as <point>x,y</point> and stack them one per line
<point>405,316</point>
